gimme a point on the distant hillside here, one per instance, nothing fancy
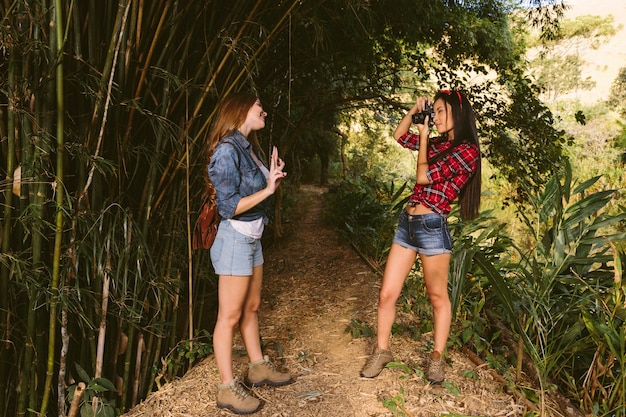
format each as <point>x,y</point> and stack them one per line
<point>602,65</point>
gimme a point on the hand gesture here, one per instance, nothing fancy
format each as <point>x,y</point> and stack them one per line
<point>276,171</point>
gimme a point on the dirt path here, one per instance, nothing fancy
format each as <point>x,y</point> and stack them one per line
<point>314,286</point>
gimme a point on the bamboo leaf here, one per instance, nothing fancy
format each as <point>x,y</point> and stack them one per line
<point>567,181</point>
<point>84,376</point>
<point>586,207</point>
<point>502,290</point>
<point>583,186</point>
<point>600,240</point>
<point>547,202</point>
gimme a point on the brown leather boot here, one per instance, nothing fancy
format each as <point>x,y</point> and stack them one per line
<point>236,398</point>
<point>436,368</point>
<point>262,372</point>
<point>376,362</point>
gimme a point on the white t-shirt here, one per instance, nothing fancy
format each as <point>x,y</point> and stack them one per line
<point>254,229</point>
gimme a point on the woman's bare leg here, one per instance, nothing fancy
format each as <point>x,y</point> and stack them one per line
<point>436,269</point>
<point>232,293</point>
<point>249,323</point>
<point>399,264</point>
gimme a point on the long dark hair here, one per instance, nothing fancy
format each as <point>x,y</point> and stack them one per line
<point>464,132</point>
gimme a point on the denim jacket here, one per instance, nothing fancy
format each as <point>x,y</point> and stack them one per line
<point>235,175</point>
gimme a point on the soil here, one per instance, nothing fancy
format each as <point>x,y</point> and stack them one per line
<point>315,285</point>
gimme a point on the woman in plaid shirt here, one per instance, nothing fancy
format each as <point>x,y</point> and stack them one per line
<point>448,166</point>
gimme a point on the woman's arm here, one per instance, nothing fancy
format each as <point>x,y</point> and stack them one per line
<point>422,155</point>
<point>405,123</point>
<point>424,134</point>
<point>275,177</point>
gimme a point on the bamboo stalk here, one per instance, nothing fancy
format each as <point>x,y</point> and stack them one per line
<point>127,363</point>
<point>140,350</point>
<point>117,39</point>
<point>520,358</point>
<point>103,312</point>
<point>65,343</point>
<point>144,71</point>
<point>7,225</point>
<point>78,395</point>
<point>167,177</point>
<point>109,66</point>
<point>56,39</point>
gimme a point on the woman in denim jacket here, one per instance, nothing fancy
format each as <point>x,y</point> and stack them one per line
<point>242,185</point>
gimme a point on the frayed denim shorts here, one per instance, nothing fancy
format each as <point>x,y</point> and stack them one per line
<point>234,253</point>
<point>427,234</point>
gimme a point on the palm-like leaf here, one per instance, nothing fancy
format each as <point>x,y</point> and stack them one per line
<point>562,278</point>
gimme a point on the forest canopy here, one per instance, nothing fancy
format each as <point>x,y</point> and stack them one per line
<point>104,109</point>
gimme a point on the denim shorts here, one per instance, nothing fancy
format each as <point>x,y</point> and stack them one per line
<point>427,234</point>
<point>234,253</point>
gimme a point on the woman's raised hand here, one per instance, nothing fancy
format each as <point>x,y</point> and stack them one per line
<point>418,107</point>
<point>276,170</point>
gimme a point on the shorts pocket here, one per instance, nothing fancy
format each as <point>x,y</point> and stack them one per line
<point>433,224</point>
<point>243,239</point>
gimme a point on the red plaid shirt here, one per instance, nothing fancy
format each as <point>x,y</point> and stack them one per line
<point>447,176</point>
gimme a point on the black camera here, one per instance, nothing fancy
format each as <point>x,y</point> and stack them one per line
<point>419,118</point>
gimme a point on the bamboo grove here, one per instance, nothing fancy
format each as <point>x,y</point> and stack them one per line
<point>104,107</point>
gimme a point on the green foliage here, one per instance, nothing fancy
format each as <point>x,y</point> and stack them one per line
<point>617,93</point>
<point>95,387</point>
<point>558,75</point>
<point>607,328</point>
<point>358,328</point>
<point>562,273</point>
<point>401,366</point>
<point>185,354</point>
<point>519,136</point>
<point>397,404</point>
<point>582,32</point>
<point>366,211</point>
<point>557,68</point>
<point>305,359</point>
<point>471,374</point>
<point>452,388</point>
<point>138,96</point>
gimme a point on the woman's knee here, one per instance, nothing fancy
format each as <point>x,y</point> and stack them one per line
<point>252,307</point>
<point>440,303</point>
<point>439,299</point>
<point>229,319</point>
<point>387,298</point>
<point>251,311</point>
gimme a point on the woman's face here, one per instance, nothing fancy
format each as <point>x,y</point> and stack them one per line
<point>255,120</point>
<point>443,117</point>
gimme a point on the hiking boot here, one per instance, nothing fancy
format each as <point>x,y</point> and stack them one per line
<point>262,372</point>
<point>376,362</point>
<point>236,398</point>
<point>435,368</point>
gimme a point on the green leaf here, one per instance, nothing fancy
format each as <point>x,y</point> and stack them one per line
<point>86,410</point>
<point>84,376</point>
<point>583,186</point>
<point>502,291</point>
<point>586,207</point>
<point>107,384</point>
